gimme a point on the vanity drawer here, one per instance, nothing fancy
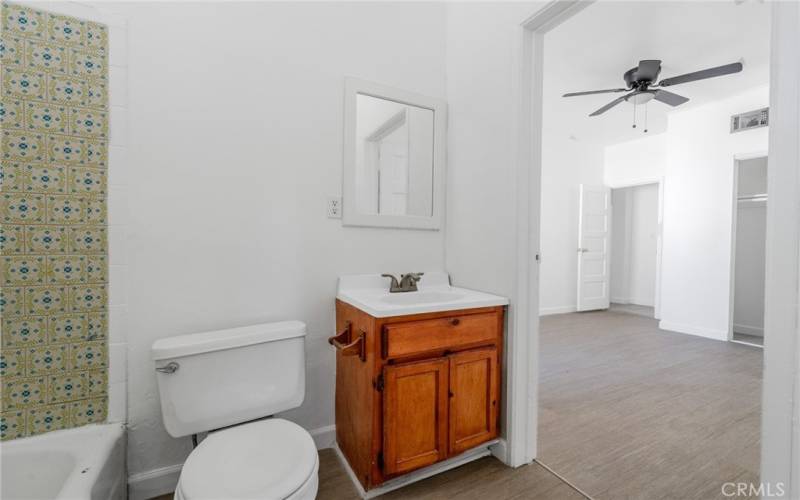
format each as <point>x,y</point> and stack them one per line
<point>414,337</point>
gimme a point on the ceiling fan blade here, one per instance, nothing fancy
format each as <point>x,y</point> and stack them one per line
<point>726,69</point>
<point>669,98</point>
<point>612,104</point>
<point>648,70</point>
<point>590,92</point>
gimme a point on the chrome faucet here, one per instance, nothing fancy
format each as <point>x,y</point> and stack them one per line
<point>407,283</point>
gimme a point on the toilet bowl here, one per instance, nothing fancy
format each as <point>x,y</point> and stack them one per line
<point>270,459</point>
<point>227,383</point>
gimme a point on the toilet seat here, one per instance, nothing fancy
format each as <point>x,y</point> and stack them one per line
<point>267,460</point>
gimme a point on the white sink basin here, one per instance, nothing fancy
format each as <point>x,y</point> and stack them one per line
<point>370,293</point>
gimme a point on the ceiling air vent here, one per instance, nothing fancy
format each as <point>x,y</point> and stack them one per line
<point>750,120</point>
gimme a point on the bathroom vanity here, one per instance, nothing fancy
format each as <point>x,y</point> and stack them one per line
<point>418,374</point>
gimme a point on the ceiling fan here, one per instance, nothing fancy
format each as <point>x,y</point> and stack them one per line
<point>642,86</point>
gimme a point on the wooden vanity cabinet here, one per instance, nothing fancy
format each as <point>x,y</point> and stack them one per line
<point>415,390</point>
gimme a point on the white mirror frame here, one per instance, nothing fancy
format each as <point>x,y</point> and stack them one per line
<point>350,216</point>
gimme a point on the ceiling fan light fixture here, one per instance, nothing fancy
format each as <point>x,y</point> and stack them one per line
<point>640,98</point>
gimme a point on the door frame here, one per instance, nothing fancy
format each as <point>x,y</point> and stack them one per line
<point>780,449</point>
<point>646,181</point>
<point>737,159</point>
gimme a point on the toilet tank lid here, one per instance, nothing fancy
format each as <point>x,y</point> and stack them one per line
<point>217,340</point>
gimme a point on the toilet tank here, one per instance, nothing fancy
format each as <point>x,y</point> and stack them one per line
<point>211,380</point>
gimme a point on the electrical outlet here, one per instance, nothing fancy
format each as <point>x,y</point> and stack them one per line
<point>334,207</point>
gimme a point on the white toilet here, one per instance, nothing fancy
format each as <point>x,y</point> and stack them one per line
<point>215,380</point>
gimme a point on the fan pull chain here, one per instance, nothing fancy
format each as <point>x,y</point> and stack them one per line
<point>645,118</point>
<point>634,113</point>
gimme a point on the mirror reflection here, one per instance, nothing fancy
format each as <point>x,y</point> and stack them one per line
<point>394,158</point>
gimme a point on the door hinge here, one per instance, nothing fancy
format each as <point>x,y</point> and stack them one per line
<point>378,384</point>
<point>379,459</point>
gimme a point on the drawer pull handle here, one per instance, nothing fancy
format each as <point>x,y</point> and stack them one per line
<point>455,321</point>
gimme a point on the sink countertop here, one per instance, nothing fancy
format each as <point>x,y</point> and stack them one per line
<point>370,293</point>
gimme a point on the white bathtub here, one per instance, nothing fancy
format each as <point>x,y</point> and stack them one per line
<point>87,463</point>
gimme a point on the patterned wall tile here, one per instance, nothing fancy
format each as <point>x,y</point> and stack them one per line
<point>47,300</point>
<point>89,298</point>
<point>13,176</point>
<point>64,149</point>
<point>23,145</point>
<point>45,179</point>
<point>88,122</point>
<point>27,270</point>
<point>23,392</point>
<point>47,359</point>
<point>89,355</point>
<point>53,214</point>
<point>86,64</point>
<point>87,239</point>
<point>65,210</point>
<point>24,332</point>
<point>23,84</point>
<point>12,424</point>
<point>22,208</point>
<point>12,239</point>
<point>67,387</point>
<point>12,363</point>
<point>46,117</point>
<point>67,328</point>
<point>12,113</point>
<point>48,418</point>
<point>12,303</point>
<point>12,50</point>
<point>46,239</point>
<point>45,57</point>
<point>67,90</point>
<point>66,30</point>
<point>88,411</point>
<point>90,181</point>
<point>97,325</point>
<point>66,270</point>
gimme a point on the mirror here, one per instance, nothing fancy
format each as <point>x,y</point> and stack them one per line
<point>393,158</point>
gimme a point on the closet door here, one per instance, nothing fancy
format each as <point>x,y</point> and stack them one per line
<point>473,398</point>
<point>414,415</point>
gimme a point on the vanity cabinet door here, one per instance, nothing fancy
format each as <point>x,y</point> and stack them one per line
<point>415,415</point>
<point>473,398</point>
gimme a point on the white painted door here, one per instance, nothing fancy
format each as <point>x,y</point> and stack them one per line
<point>593,247</point>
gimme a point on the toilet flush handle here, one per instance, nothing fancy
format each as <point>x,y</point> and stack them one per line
<point>170,367</point>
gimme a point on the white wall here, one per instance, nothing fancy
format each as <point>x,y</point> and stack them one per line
<point>236,140</point>
<point>698,190</point>
<point>635,162</point>
<point>634,236</point>
<point>751,237</point>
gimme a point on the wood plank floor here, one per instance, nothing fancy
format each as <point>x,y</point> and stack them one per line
<point>483,479</point>
<point>628,411</point>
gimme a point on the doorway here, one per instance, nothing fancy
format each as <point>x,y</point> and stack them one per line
<point>748,252</point>
<point>635,238</point>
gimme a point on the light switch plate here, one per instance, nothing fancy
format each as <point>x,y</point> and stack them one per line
<point>334,207</point>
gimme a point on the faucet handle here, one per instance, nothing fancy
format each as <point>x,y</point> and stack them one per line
<point>414,276</point>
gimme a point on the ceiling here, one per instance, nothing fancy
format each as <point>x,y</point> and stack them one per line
<point>595,47</point>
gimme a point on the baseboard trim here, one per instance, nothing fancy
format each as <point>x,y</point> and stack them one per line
<point>418,475</point>
<point>547,311</point>
<point>161,481</point>
<point>698,331</point>
<point>154,482</point>
<point>324,437</point>
<point>748,330</point>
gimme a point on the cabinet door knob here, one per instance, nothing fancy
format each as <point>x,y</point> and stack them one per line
<point>455,321</point>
